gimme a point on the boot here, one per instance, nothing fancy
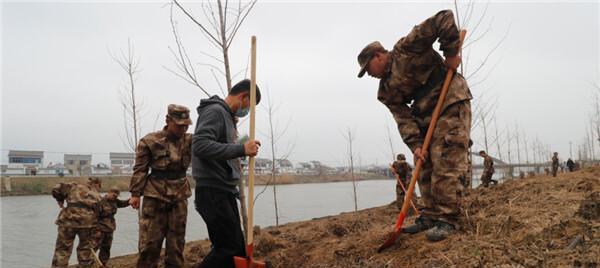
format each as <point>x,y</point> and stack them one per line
<point>440,232</point>
<point>421,224</point>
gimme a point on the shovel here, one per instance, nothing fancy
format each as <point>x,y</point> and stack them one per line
<point>404,189</point>
<point>96,259</point>
<point>411,187</point>
<point>248,261</point>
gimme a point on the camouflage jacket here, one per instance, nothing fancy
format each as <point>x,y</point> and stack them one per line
<point>415,75</point>
<point>554,161</point>
<point>402,169</point>
<point>159,152</point>
<point>82,205</point>
<point>488,164</point>
<point>108,209</point>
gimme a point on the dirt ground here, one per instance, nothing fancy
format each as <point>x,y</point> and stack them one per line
<point>534,222</point>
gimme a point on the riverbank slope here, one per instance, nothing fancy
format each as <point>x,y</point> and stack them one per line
<point>534,222</point>
<point>42,185</point>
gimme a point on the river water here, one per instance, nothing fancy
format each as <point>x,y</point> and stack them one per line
<point>29,233</point>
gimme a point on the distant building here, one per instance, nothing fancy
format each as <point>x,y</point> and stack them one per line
<point>57,169</point>
<point>121,159</point>
<point>101,169</point>
<point>29,160</point>
<point>78,164</point>
<point>284,166</point>
<point>263,166</point>
<point>122,163</point>
<point>11,170</point>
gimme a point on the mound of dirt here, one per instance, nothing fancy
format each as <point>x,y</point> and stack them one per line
<point>534,222</point>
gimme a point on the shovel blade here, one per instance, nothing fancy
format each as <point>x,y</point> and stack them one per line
<point>389,242</point>
<point>243,262</point>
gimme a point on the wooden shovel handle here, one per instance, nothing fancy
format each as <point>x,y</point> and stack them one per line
<point>250,233</point>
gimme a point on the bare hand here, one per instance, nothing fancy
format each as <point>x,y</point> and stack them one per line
<point>419,155</point>
<point>251,147</point>
<point>453,62</point>
<point>134,202</point>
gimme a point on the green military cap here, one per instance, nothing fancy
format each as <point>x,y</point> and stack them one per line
<point>94,180</point>
<point>180,114</point>
<point>114,190</point>
<point>366,54</point>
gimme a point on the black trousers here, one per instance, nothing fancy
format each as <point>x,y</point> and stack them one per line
<point>219,211</point>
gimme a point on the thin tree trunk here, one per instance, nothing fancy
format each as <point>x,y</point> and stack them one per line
<point>224,47</point>
<point>485,137</point>
<point>350,139</point>
<point>518,144</point>
<point>273,170</point>
<point>497,140</point>
<point>526,147</point>
<point>133,106</point>
<point>391,144</point>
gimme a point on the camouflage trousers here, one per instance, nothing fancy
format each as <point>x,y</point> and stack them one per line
<point>447,165</point>
<point>160,221</point>
<point>554,170</point>
<point>103,243</point>
<point>486,178</point>
<point>64,247</point>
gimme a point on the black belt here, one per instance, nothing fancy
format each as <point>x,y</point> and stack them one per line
<point>167,175</point>
<point>77,205</point>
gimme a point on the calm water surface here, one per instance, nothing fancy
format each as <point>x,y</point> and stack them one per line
<point>29,233</point>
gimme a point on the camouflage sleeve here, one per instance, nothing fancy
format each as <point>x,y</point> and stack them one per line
<point>60,191</point>
<point>140,169</point>
<point>407,126</point>
<point>122,203</point>
<point>441,26</point>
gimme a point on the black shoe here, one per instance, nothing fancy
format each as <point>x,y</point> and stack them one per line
<point>440,232</point>
<point>421,224</point>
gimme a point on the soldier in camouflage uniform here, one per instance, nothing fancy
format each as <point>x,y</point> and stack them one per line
<point>78,218</point>
<point>411,77</point>
<point>402,170</point>
<point>554,164</point>
<point>159,174</point>
<point>106,224</point>
<point>488,170</point>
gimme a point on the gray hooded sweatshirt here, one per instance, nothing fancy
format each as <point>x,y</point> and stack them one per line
<point>215,154</point>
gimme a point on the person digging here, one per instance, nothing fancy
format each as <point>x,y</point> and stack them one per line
<point>411,77</point>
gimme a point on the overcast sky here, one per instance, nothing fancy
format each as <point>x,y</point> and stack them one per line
<point>61,89</point>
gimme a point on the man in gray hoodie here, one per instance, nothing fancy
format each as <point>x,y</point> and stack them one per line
<point>216,168</point>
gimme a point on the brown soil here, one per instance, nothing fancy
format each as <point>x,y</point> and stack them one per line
<point>533,222</point>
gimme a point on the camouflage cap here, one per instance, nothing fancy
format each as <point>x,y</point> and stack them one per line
<point>401,157</point>
<point>366,54</point>
<point>114,190</point>
<point>180,114</point>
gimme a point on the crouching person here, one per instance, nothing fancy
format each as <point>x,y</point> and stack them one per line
<point>78,218</point>
<point>107,224</point>
<point>159,174</point>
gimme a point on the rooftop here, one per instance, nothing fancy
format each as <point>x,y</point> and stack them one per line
<point>15,153</point>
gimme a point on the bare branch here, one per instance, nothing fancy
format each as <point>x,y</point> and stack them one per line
<point>204,30</point>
